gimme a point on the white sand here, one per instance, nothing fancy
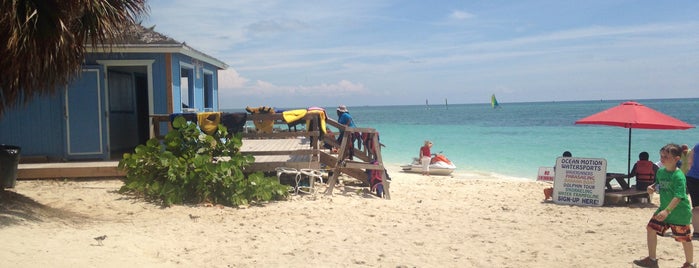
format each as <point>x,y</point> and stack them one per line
<point>469,220</point>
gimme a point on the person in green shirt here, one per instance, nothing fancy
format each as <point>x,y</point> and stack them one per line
<point>674,211</point>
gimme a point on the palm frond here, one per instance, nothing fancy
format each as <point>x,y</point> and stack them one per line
<point>46,41</point>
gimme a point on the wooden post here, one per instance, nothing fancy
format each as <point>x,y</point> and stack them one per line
<point>315,121</point>
<point>168,84</point>
<point>384,180</point>
<point>338,164</point>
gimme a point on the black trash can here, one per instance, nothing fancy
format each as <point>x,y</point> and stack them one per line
<point>9,160</point>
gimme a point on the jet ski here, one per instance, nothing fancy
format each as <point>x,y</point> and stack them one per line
<point>439,165</point>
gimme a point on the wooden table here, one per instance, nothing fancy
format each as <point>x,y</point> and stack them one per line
<point>620,178</point>
<point>625,193</point>
<point>613,197</point>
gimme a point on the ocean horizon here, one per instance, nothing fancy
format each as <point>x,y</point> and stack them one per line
<point>520,137</point>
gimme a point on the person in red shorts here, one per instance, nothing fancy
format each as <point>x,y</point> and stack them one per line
<point>674,211</point>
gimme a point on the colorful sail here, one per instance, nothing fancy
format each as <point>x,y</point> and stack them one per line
<point>494,102</point>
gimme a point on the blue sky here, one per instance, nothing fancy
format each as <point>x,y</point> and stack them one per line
<point>291,54</point>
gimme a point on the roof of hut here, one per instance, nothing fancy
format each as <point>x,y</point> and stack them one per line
<point>139,39</point>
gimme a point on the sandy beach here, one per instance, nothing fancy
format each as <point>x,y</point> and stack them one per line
<point>468,220</point>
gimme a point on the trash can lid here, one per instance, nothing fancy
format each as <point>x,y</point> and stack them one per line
<point>10,149</point>
<point>5,146</point>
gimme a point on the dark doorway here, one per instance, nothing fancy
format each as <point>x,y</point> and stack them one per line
<point>128,109</point>
<point>142,104</point>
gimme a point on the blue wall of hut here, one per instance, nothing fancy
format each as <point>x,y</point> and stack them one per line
<point>40,127</point>
<point>37,127</point>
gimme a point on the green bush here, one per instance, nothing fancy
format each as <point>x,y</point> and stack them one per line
<point>192,167</point>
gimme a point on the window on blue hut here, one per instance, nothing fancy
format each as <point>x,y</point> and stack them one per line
<point>187,88</point>
<point>208,91</point>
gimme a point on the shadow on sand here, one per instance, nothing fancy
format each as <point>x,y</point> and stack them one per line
<point>16,208</point>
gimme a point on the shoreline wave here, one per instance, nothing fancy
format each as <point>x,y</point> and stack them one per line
<point>466,174</point>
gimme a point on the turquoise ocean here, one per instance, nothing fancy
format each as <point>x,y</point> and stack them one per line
<point>517,139</point>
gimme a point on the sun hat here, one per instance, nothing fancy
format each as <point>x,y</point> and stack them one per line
<point>342,108</point>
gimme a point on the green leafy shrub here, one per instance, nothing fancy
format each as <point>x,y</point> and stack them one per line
<point>192,167</point>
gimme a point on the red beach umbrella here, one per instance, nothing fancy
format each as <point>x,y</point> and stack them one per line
<point>634,115</point>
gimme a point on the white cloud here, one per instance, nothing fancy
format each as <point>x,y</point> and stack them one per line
<point>265,86</point>
<point>237,87</point>
<point>274,26</point>
<point>341,88</point>
<point>230,79</point>
<point>460,15</point>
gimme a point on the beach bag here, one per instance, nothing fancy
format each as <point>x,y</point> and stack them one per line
<point>375,180</point>
<point>380,185</point>
<point>378,189</point>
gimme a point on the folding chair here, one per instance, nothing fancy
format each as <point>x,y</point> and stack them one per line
<point>289,171</point>
<point>311,175</point>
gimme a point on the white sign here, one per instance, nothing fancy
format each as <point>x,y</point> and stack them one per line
<point>545,174</point>
<point>580,181</point>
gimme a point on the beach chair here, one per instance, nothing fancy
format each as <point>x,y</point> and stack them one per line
<point>304,179</point>
<point>309,175</point>
<point>312,173</point>
<point>281,171</point>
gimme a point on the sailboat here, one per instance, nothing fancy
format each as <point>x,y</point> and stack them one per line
<point>494,102</point>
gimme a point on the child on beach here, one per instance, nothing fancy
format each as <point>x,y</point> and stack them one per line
<point>674,211</point>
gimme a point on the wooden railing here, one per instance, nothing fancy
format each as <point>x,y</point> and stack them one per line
<point>370,156</point>
<point>161,120</point>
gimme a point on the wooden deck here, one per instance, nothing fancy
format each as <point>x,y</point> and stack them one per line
<point>293,149</point>
<point>269,154</point>
<point>272,153</point>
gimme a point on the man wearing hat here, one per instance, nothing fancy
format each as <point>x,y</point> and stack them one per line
<point>345,119</point>
<point>344,116</point>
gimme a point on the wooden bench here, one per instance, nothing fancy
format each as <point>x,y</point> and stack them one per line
<point>625,195</point>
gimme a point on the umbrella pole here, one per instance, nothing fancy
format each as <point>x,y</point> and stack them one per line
<point>628,161</point>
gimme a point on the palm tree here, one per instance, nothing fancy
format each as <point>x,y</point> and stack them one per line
<point>45,41</point>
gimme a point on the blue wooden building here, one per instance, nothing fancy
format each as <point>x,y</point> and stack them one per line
<point>106,110</point>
